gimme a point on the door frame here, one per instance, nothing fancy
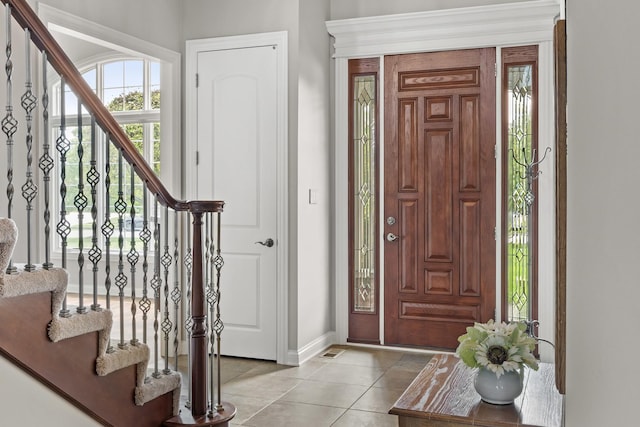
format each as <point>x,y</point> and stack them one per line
<point>279,41</point>
<point>496,26</point>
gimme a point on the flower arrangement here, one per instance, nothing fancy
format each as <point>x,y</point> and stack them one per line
<point>499,347</point>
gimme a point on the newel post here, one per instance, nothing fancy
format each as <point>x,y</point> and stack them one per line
<point>199,334</point>
<point>204,412</point>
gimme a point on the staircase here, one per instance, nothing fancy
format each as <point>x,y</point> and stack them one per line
<point>73,350</point>
<point>117,375</point>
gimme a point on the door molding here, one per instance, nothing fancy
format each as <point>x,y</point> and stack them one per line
<point>464,28</point>
<point>279,41</point>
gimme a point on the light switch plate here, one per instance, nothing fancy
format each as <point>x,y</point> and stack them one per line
<point>313,196</point>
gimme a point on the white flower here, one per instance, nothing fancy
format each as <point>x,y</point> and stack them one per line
<point>493,353</point>
<point>499,347</point>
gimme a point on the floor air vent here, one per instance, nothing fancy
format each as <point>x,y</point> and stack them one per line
<point>332,353</point>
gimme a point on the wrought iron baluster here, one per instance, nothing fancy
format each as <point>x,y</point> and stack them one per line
<point>176,294</point>
<point>63,228</point>
<point>45,165</point>
<point>156,282</point>
<point>107,230</point>
<point>133,257</point>
<point>166,263</point>
<point>29,189</point>
<point>188,263</point>
<point>218,325</point>
<point>121,278</point>
<point>212,299</point>
<point>209,296</point>
<point>93,179</point>
<point>9,126</point>
<point>208,254</point>
<point>145,237</point>
<point>80,202</point>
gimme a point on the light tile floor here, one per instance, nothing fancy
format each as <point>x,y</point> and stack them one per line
<point>356,388</point>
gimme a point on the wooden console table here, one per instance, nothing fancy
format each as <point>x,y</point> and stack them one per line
<point>443,395</point>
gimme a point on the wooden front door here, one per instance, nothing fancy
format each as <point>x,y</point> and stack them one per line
<point>439,207</point>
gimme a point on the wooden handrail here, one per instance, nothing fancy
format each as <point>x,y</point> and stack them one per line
<point>42,38</point>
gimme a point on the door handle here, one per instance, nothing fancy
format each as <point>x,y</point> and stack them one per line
<point>268,243</point>
<point>392,237</point>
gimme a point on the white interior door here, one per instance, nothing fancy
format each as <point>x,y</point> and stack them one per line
<point>236,139</point>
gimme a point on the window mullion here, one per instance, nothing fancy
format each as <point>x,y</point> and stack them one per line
<point>100,82</point>
<point>146,89</point>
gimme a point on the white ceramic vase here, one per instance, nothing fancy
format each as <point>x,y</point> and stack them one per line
<point>498,391</point>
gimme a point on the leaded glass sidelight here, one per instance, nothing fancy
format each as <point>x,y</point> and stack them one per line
<point>520,191</point>
<point>364,197</point>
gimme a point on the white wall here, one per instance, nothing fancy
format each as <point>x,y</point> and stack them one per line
<point>603,247</point>
<point>206,18</point>
<point>157,21</point>
<point>315,313</point>
<point>33,404</point>
<point>77,49</point>
<point>341,9</point>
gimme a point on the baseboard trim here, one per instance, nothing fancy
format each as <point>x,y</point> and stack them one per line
<point>311,350</point>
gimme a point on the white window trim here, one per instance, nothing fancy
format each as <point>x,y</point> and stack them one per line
<point>464,28</point>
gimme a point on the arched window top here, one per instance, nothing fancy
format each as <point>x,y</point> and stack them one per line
<point>123,85</point>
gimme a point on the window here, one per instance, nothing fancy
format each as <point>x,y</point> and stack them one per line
<point>519,186</point>
<point>130,89</point>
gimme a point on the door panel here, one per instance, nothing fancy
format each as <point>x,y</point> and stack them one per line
<point>237,139</point>
<point>439,224</point>
<point>245,292</point>
<point>408,254</point>
<point>407,147</point>
<point>440,184</point>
